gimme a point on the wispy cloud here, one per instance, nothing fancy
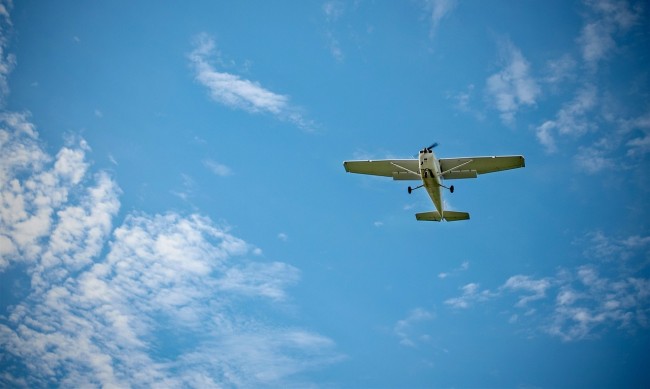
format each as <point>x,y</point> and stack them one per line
<point>236,92</point>
<point>601,246</point>
<point>592,107</point>
<point>513,86</point>
<point>437,10</point>
<point>333,11</point>
<point>463,102</point>
<point>7,60</point>
<point>101,314</point>
<point>579,303</point>
<point>594,159</point>
<point>560,70</point>
<point>472,293</point>
<point>411,330</point>
<point>639,145</point>
<point>571,120</point>
<point>463,267</point>
<point>607,18</point>
<point>587,303</point>
<point>535,288</point>
<point>217,168</point>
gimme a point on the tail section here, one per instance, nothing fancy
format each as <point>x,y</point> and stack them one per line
<point>450,216</point>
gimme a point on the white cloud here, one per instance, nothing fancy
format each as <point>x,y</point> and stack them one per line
<point>412,330</point>
<point>258,279</point>
<point>608,17</point>
<point>334,46</point>
<point>537,288</point>
<point>602,303</point>
<point>638,146</point>
<point>463,102</point>
<point>166,303</point>
<point>7,60</point>
<point>463,267</point>
<point>572,119</point>
<point>592,159</point>
<point>437,11</point>
<point>471,294</point>
<point>333,11</point>
<point>545,136</point>
<point>560,70</point>
<point>616,249</point>
<point>34,186</point>
<point>217,168</point>
<point>235,92</point>
<point>579,303</point>
<point>512,87</point>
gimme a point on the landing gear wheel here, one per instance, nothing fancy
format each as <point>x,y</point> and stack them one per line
<point>451,189</point>
<point>410,189</point>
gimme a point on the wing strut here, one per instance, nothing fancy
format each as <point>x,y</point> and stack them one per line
<point>405,169</point>
<point>456,167</point>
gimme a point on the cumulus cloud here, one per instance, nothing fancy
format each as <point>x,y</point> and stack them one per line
<point>156,301</point>
<point>236,92</point>
<point>513,86</point>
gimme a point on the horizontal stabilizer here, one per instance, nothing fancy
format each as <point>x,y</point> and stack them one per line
<point>450,216</point>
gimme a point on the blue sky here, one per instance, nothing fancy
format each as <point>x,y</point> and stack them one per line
<point>174,210</point>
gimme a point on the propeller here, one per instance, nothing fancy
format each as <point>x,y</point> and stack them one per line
<point>433,146</point>
<point>428,149</point>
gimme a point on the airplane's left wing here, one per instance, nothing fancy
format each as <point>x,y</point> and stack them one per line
<point>470,167</point>
<point>399,169</point>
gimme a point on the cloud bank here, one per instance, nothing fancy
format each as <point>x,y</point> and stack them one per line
<point>160,300</point>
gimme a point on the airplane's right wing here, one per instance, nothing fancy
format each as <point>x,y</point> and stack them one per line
<point>399,169</point>
<point>470,167</point>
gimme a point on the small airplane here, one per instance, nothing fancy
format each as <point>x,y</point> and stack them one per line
<point>432,171</point>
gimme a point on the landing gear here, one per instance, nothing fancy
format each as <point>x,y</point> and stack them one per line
<point>410,190</point>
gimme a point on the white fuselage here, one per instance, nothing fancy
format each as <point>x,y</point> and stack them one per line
<point>431,177</point>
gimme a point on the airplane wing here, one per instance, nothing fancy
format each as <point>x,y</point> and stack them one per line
<point>470,167</point>
<point>399,169</point>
